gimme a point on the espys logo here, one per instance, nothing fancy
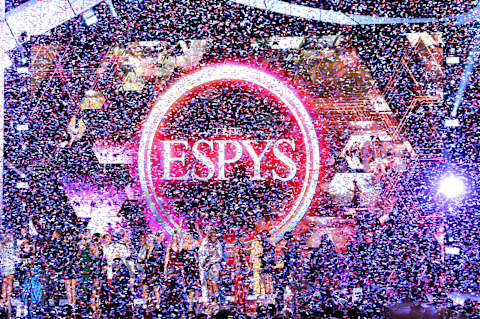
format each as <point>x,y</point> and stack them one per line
<point>238,149</point>
<point>225,126</point>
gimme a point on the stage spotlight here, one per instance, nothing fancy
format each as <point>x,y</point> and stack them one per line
<point>451,186</point>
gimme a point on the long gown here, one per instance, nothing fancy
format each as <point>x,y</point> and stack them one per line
<point>241,272</point>
<point>85,274</point>
<point>154,265</point>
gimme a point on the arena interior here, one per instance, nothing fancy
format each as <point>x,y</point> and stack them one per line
<point>240,159</point>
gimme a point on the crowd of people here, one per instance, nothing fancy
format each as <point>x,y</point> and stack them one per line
<point>190,274</point>
<point>102,276</point>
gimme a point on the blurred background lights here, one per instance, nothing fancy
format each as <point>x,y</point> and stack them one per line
<point>451,186</point>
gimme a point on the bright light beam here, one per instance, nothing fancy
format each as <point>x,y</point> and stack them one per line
<point>470,64</point>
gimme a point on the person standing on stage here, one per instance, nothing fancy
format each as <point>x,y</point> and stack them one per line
<point>174,272</point>
<point>148,257</point>
<point>71,264</point>
<point>85,270</point>
<point>96,253</point>
<point>191,266</point>
<point>263,264</point>
<point>53,254</point>
<point>26,253</point>
<point>117,249</point>
<point>241,272</point>
<point>291,264</point>
<point>157,265</point>
<point>210,253</point>
<point>104,277</point>
<point>224,281</point>
<point>120,294</point>
<point>116,255</point>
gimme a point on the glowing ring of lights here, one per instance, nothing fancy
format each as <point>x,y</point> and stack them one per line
<point>244,74</point>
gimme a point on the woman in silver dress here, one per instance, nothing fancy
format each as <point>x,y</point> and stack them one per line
<point>210,254</point>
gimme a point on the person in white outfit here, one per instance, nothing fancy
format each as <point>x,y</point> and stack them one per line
<point>210,256</point>
<point>113,250</point>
